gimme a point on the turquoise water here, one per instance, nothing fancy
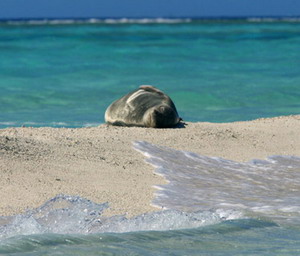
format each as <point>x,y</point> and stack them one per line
<point>57,74</point>
<point>65,73</point>
<point>230,238</point>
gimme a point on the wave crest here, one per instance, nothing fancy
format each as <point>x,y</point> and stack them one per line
<point>65,214</point>
<point>97,21</point>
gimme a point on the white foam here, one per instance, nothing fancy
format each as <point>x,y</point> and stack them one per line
<point>39,22</point>
<point>8,123</point>
<point>49,124</point>
<point>146,21</point>
<point>269,187</point>
<point>273,19</point>
<point>200,191</point>
<point>72,214</point>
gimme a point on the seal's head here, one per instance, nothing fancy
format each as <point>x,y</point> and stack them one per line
<point>161,116</point>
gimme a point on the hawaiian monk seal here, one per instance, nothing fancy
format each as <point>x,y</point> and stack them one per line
<point>145,107</point>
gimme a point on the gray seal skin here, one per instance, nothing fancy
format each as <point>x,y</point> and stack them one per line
<point>144,107</point>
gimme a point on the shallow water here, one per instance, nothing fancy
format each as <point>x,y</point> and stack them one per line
<point>66,73</point>
<point>265,188</point>
<point>210,206</point>
<point>242,237</point>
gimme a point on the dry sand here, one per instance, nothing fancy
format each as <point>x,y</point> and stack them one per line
<point>100,163</point>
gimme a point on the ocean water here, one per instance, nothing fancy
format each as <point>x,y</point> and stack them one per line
<point>210,206</point>
<point>66,72</point>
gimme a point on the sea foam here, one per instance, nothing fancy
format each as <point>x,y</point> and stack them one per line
<point>268,188</point>
<point>96,21</point>
<point>66,214</point>
<point>201,191</point>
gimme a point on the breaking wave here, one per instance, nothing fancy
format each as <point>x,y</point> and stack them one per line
<point>96,21</point>
<point>201,191</point>
<point>65,214</point>
<point>268,188</point>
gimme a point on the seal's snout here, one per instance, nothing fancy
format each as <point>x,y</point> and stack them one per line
<point>164,116</point>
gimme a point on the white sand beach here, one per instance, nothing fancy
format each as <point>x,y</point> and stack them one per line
<point>100,163</point>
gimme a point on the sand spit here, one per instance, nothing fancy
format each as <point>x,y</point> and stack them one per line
<point>100,163</point>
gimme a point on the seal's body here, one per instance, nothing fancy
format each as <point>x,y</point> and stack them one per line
<point>145,107</point>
